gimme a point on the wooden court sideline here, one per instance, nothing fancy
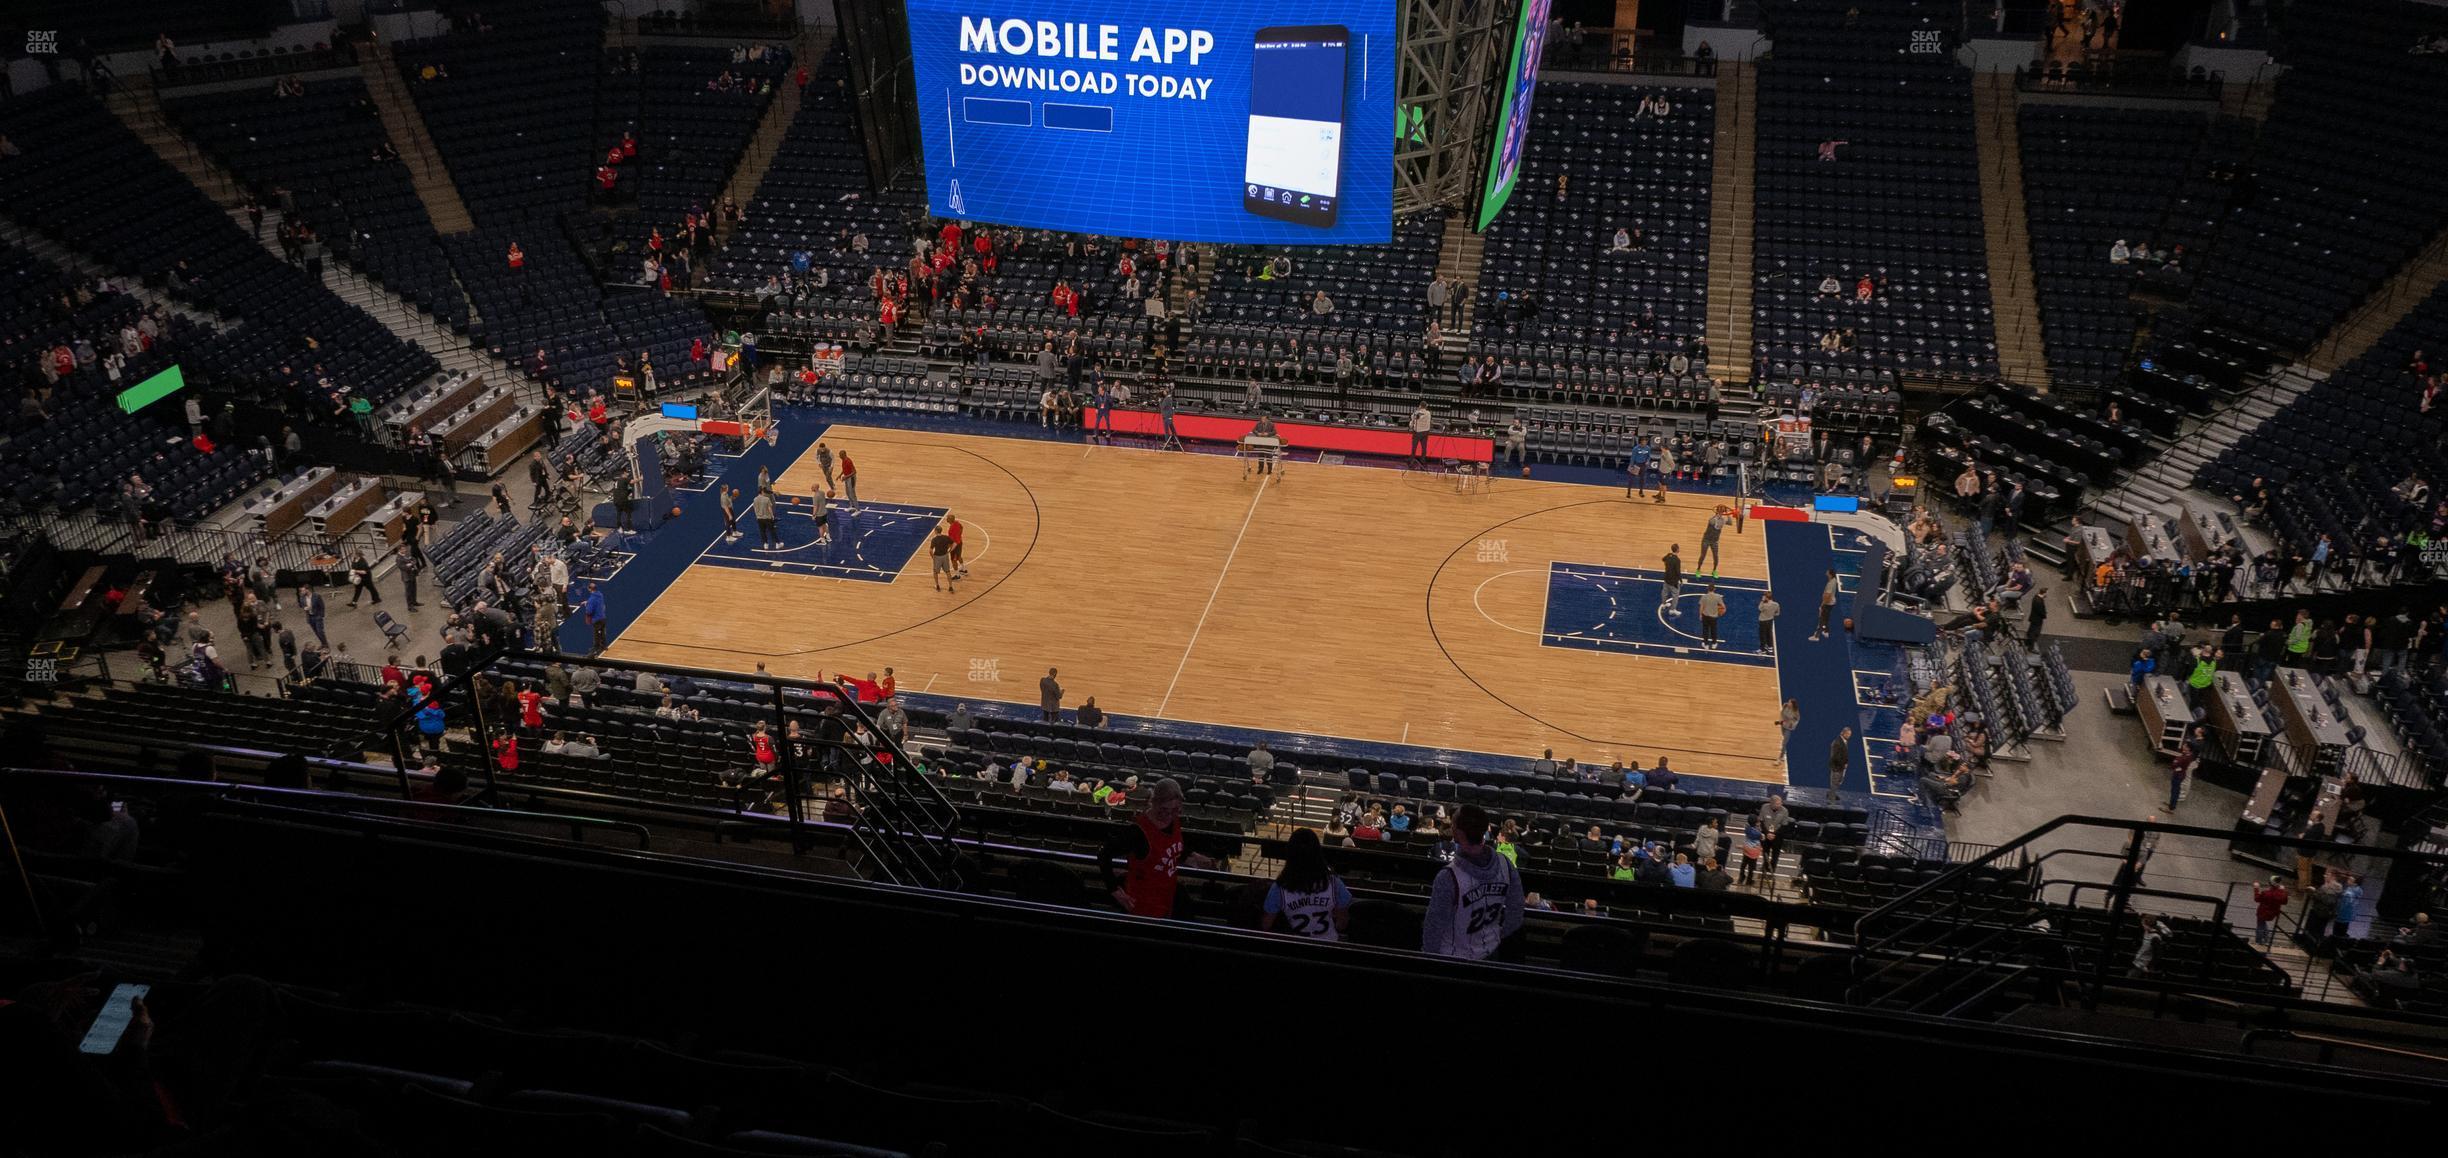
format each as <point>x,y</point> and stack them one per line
<point>1345,601</point>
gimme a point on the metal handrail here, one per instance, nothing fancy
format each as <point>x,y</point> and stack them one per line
<point>1909,905</point>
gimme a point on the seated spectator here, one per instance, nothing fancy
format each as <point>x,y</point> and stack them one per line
<point>1400,821</point>
<point>1829,287</point>
<point>2390,981</point>
<point>1662,777</point>
<point>1681,873</point>
<point>2118,254</point>
<point>583,746</point>
<point>2017,584</point>
<point>1713,877</point>
<point>558,745</point>
<point>1946,783</point>
<point>1623,241</point>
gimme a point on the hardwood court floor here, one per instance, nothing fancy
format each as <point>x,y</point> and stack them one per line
<point>1342,601</point>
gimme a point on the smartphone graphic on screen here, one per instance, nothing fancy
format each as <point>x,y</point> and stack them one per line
<point>1294,167</point>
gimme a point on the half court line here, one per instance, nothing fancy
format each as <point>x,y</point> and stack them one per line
<point>1212,592</point>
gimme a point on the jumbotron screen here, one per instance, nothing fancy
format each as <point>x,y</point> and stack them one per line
<point>1246,121</point>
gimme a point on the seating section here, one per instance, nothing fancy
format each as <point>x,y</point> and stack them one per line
<point>79,450</point>
<point>516,119</point>
<point>325,146</point>
<point>2417,708</point>
<point>2336,457</point>
<point>133,26</point>
<point>815,200</point>
<point>89,183</point>
<point>2094,178</point>
<point>1899,204</point>
<point>2345,188</point>
<point>691,110</point>
<point>168,715</point>
<point>1374,291</point>
<point>514,116</point>
<point>1623,169</point>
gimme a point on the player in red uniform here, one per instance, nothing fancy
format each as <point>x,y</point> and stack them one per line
<point>952,528</point>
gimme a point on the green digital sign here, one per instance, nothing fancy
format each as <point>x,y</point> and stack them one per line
<point>152,390</point>
<point>1512,140</point>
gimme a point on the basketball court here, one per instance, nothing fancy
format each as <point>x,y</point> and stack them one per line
<point>1345,601</point>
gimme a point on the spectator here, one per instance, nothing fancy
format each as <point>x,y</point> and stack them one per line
<point>1153,852</point>
<point>1049,696</point>
<point>1261,763</point>
<point>1476,900</point>
<point>1681,874</point>
<point>2269,902</point>
<point>1307,898</point>
<point>1714,879</point>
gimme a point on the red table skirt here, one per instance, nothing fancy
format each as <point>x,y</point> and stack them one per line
<point>1301,435</point>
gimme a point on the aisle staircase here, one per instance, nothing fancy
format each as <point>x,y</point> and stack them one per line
<point>1732,184</point>
<point>2387,305</point>
<point>1458,259</point>
<point>2014,306</point>
<point>758,157</point>
<point>406,127</point>
<point>1178,289</point>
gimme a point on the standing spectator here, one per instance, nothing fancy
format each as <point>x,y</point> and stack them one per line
<point>1827,604</point>
<point>2269,901</point>
<point>1049,697</point>
<point>1153,853</point>
<point>624,502</point>
<point>939,549</point>
<point>1771,821</point>
<point>1671,586</point>
<point>1261,763</point>
<point>2188,751</point>
<point>1476,901</point>
<point>595,620</point>
<point>310,602</point>
<point>1768,612</point>
<point>849,481</point>
<point>404,561</point>
<point>1421,420</point>
<point>763,506</point>
<point>361,578</point>
<point>1307,898</point>
<point>728,497</point>
<point>2349,903</point>
<point>1840,762</point>
<point>1712,608</point>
